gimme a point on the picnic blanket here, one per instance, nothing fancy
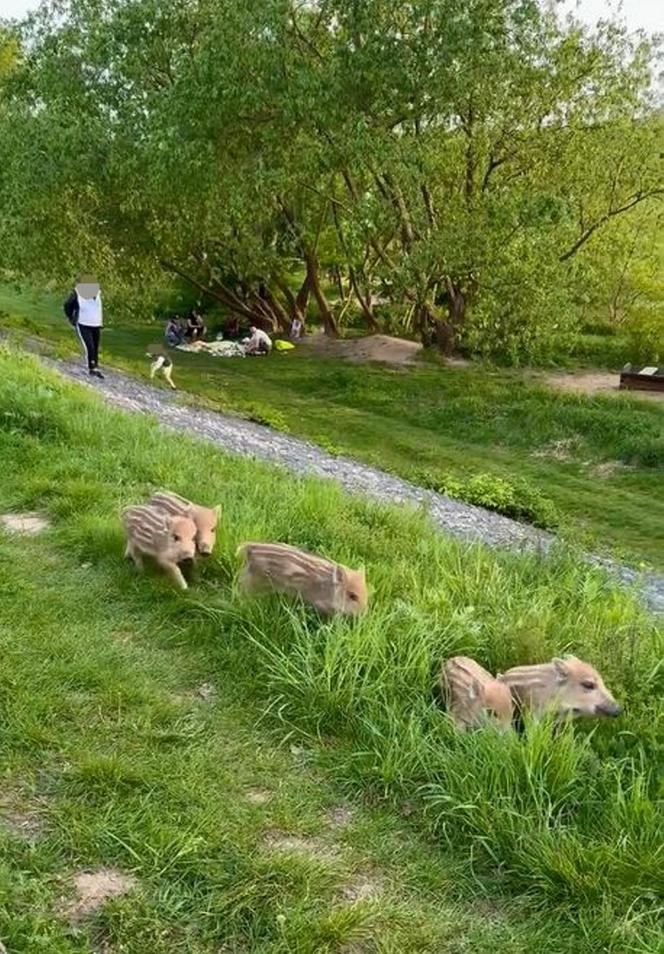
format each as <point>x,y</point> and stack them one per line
<point>218,349</point>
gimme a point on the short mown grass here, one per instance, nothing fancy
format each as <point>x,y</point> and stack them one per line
<point>591,466</point>
<point>548,842</point>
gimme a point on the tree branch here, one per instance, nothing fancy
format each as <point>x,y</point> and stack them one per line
<point>603,219</point>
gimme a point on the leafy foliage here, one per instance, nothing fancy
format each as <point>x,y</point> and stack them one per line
<point>468,163</point>
<point>513,498</point>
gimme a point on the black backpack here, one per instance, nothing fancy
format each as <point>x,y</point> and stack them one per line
<point>70,307</point>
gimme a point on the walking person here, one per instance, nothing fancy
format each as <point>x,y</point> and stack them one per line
<point>84,311</point>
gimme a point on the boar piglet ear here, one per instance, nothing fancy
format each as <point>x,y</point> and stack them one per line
<point>562,669</point>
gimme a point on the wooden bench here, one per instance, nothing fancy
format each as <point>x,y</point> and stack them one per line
<point>646,378</point>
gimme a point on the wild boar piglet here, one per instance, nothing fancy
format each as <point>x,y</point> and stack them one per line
<point>565,687</point>
<point>472,694</point>
<point>166,539</point>
<point>330,587</point>
<point>205,518</point>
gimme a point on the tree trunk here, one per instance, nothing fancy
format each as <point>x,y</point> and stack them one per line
<point>471,159</point>
<point>291,301</point>
<point>327,317</point>
<point>339,283</point>
<point>442,332</point>
<point>302,297</point>
<point>278,311</point>
<point>221,293</point>
<point>365,302</point>
<point>261,309</point>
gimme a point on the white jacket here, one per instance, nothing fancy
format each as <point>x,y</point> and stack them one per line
<point>90,311</point>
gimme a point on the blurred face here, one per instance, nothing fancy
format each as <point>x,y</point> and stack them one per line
<point>87,289</point>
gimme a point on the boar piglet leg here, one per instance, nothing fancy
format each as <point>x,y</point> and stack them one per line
<point>132,553</point>
<point>175,573</point>
<point>249,582</point>
<point>187,568</point>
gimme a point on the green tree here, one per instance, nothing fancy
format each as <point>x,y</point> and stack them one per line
<point>460,159</point>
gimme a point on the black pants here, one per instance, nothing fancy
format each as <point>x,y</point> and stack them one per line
<point>90,340</point>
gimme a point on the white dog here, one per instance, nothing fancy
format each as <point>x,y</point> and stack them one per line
<point>161,362</point>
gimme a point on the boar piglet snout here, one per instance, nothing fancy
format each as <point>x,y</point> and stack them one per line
<point>610,709</point>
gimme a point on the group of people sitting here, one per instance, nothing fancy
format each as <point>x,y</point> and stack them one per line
<point>186,331</point>
<point>180,330</point>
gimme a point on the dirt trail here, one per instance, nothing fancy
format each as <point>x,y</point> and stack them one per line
<point>394,351</point>
<point>596,382</point>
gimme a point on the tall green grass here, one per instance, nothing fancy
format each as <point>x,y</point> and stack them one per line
<point>569,816</point>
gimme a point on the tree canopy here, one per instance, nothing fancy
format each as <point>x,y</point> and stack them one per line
<point>466,162</point>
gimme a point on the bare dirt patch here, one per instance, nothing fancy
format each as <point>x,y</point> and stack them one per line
<point>95,888</point>
<point>206,691</point>
<point>608,468</point>
<point>356,947</point>
<point>26,523</point>
<point>397,352</point>
<point>20,815</point>
<point>312,848</point>
<point>123,636</point>
<point>562,450</point>
<point>596,382</point>
<point>364,886</point>
<point>27,825</point>
<point>339,817</point>
<point>258,796</point>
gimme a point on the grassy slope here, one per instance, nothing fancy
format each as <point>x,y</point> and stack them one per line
<point>106,744</point>
<point>102,737</point>
<point>449,420</point>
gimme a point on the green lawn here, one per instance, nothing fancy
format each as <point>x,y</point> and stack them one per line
<point>220,809</point>
<point>443,421</point>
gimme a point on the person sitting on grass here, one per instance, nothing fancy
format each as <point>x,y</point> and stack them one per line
<point>232,328</point>
<point>195,327</point>
<point>259,343</point>
<point>174,334</point>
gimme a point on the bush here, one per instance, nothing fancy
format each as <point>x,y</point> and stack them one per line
<point>645,451</point>
<point>645,333</point>
<point>269,416</point>
<point>512,498</point>
<point>527,316</point>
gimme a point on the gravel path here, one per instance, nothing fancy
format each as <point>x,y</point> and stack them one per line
<point>243,437</point>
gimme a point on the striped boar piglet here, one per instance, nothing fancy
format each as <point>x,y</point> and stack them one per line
<point>330,587</point>
<point>565,687</point>
<point>205,518</point>
<point>165,538</point>
<point>472,694</point>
